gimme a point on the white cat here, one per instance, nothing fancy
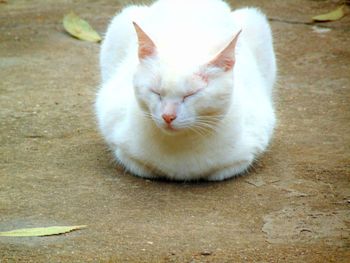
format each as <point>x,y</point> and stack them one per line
<point>187,89</point>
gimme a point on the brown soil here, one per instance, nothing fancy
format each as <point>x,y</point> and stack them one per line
<point>56,170</point>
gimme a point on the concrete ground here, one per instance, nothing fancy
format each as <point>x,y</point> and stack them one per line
<point>56,170</point>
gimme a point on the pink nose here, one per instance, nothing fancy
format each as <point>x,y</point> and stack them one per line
<point>168,118</point>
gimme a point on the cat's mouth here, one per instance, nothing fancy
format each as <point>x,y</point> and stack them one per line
<point>170,128</point>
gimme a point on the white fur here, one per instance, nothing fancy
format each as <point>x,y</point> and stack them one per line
<point>188,34</point>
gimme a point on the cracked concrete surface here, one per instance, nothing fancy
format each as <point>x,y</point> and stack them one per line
<point>56,170</point>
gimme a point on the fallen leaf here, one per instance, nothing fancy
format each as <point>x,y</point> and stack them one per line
<point>40,231</point>
<point>331,16</point>
<point>79,28</point>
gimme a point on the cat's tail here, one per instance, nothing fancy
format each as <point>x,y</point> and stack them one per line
<point>257,35</point>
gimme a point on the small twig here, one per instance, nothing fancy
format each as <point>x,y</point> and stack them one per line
<point>305,230</point>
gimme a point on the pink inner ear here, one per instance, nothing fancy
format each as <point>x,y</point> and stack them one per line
<point>225,60</point>
<point>225,63</point>
<point>147,47</point>
<point>145,51</point>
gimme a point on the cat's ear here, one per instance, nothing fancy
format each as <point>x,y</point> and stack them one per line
<point>225,60</point>
<point>147,48</point>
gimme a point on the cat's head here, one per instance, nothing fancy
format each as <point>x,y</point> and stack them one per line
<point>183,100</point>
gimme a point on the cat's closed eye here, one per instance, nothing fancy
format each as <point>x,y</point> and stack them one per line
<point>190,94</point>
<point>156,93</point>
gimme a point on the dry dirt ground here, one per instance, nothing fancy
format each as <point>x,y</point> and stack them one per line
<point>56,170</point>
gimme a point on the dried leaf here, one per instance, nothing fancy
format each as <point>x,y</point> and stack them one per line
<point>331,16</point>
<point>79,28</point>
<point>40,231</point>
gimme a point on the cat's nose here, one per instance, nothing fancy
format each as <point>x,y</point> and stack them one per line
<point>169,118</point>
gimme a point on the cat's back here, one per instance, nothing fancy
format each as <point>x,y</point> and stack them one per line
<point>191,27</point>
<point>118,38</point>
<point>257,37</point>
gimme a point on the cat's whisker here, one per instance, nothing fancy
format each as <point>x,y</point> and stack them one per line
<point>205,129</point>
<point>187,124</point>
<point>207,122</point>
<point>150,116</point>
<point>205,125</point>
<point>210,118</point>
<point>145,114</point>
<point>196,131</point>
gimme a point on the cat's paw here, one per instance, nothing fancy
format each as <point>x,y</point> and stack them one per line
<point>133,166</point>
<point>229,172</point>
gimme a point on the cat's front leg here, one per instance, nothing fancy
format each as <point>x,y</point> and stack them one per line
<point>134,166</point>
<point>228,172</point>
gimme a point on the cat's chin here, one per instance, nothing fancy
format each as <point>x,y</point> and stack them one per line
<point>169,130</point>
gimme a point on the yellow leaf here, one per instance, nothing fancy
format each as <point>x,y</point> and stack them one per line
<point>79,28</point>
<point>40,231</point>
<point>331,16</point>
